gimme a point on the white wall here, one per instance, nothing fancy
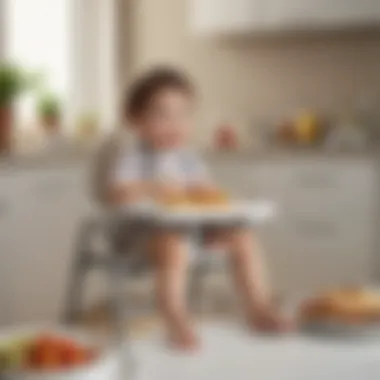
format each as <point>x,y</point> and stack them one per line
<point>2,28</point>
<point>94,59</point>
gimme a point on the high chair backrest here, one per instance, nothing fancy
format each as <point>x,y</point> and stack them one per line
<point>103,165</point>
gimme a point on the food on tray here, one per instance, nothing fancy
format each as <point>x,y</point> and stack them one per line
<point>175,200</point>
<point>45,352</point>
<point>208,197</point>
<point>195,198</point>
<point>350,305</point>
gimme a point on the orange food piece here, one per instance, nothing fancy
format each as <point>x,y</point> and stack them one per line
<point>49,352</point>
<point>44,358</point>
<point>51,359</point>
<point>73,357</point>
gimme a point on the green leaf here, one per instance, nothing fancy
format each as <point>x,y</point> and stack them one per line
<point>14,81</point>
<point>48,105</point>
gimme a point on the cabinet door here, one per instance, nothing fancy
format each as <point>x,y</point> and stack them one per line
<point>306,14</point>
<point>346,12</point>
<point>44,225</point>
<point>223,16</point>
<point>8,230</point>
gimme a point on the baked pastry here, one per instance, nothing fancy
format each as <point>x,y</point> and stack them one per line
<point>208,197</point>
<point>351,305</point>
<point>193,198</point>
<point>175,200</point>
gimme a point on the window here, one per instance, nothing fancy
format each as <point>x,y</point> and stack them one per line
<point>37,37</point>
<point>73,44</point>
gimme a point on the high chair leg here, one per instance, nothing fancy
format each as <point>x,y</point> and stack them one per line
<point>196,286</point>
<point>82,263</point>
<point>116,300</point>
<point>74,302</point>
<point>119,322</point>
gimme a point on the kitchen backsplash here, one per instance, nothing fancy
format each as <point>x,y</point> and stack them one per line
<point>254,81</point>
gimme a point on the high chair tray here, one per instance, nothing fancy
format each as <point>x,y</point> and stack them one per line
<point>246,212</point>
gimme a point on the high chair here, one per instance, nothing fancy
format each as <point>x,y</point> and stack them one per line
<point>119,265</point>
<point>113,258</point>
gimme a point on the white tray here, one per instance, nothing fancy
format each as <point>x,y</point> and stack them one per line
<point>248,212</point>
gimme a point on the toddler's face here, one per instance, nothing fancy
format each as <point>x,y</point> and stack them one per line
<point>167,121</point>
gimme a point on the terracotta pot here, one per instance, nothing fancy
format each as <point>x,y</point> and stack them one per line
<point>50,123</point>
<point>6,128</point>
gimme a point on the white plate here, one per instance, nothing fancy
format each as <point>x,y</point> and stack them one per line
<point>104,367</point>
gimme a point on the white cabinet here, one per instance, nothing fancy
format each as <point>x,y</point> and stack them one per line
<point>9,209</point>
<point>224,16</point>
<point>324,234</point>
<point>245,16</point>
<point>40,212</point>
<point>323,14</point>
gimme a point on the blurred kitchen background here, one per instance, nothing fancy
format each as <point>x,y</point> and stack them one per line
<point>289,111</point>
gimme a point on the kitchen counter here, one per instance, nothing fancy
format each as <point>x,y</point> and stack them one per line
<point>230,353</point>
<point>45,160</point>
<point>75,155</point>
<point>287,155</point>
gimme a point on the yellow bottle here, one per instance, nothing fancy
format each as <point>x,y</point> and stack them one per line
<point>306,126</point>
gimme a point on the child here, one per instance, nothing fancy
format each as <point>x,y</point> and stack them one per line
<point>159,108</point>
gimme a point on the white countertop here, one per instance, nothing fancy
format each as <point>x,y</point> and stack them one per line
<point>230,353</point>
<point>74,155</point>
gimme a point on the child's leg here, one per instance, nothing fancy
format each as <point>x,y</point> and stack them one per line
<point>170,255</point>
<point>250,276</point>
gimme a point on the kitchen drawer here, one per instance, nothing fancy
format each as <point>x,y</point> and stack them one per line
<point>307,255</point>
<point>325,217</point>
<point>322,228</point>
<point>333,266</point>
<point>306,267</point>
<point>353,196</point>
<point>238,179</point>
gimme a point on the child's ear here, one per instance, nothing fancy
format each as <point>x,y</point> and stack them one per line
<point>130,123</point>
<point>135,122</point>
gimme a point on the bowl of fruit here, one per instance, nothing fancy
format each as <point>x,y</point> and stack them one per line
<point>41,354</point>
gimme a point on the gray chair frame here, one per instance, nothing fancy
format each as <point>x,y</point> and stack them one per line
<point>119,266</point>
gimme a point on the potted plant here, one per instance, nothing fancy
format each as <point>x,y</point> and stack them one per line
<point>49,112</point>
<point>87,127</point>
<point>13,82</point>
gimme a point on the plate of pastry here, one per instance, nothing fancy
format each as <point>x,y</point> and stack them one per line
<point>212,207</point>
<point>348,311</point>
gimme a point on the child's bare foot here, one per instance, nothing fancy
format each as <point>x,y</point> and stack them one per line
<point>183,338</point>
<point>270,320</point>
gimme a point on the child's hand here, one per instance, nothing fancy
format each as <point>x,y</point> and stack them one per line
<point>167,191</point>
<point>128,193</point>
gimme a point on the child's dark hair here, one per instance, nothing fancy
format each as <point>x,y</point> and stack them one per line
<point>146,87</point>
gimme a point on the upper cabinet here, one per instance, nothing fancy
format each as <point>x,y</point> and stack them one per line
<point>245,16</point>
<point>226,16</point>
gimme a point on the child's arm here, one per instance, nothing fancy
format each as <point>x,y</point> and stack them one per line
<point>198,175</point>
<point>125,182</point>
<point>121,193</point>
